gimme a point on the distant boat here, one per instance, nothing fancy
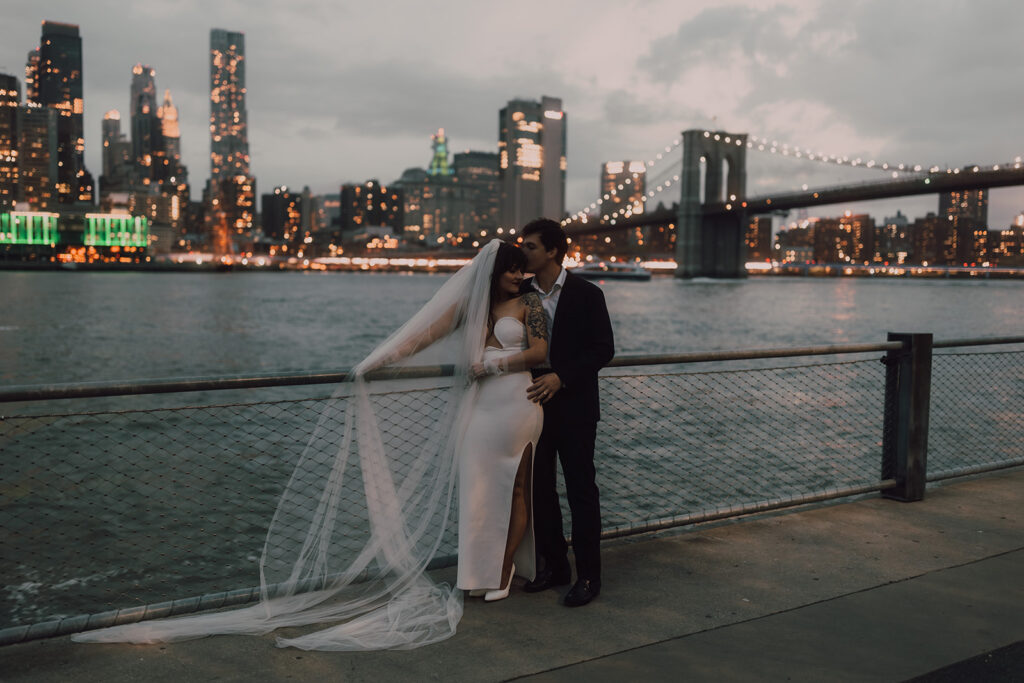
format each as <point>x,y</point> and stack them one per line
<point>606,270</point>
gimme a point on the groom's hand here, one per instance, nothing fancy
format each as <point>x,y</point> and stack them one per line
<point>543,388</point>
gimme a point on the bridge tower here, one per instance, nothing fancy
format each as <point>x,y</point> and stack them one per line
<point>712,244</point>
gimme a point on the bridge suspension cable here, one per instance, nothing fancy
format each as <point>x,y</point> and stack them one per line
<point>784,149</point>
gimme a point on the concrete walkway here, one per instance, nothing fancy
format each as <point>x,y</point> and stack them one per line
<point>870,590</point>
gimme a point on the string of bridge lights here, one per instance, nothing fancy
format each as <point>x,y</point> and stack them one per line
<point>626,185</point>
<point>761,145</point>
<point>785,149</point>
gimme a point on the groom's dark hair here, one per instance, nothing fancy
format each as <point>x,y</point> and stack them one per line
<point>551,236</point>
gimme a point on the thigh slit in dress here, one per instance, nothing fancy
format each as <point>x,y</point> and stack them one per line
<point>503,423</point>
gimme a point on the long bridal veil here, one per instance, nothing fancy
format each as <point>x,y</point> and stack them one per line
<point>369,501</point>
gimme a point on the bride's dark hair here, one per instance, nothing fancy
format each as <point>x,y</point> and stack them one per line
<point>509,258</point>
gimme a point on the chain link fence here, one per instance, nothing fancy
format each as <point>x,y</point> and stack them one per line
<point>106,506</point>
<point>977,412</point>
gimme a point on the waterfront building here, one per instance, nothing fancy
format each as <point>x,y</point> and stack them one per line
<point>167,113</point>
<point>622,188</point>
<point>318,238</point>
<point>146,135</point>
<point>531,160</point>
<point>29,228</point>
<point>148,179</point>
<point>655,241</point>
<point>10,100</point>
<point>848,239</point>
<point>57,84</point>
<point>661,238</point>
<point>231,191</point>
<point>331,206</point>
<point>759,238</point>
<point>454,205</point>
<point>967,213</point>
<point>934,241</point>
<point>795,244</point>
<point>413,185</point>
<point>32,77</point>
<point>1008,247</point>
<point>370,204</point>
<point>892,240</point>
<point>477,174</point>
<point>118,162</point>
<point>37,157</point>
<point>623,184</point>
<point>281,216</point>
<point>429,204</point>
<point>795,253</point>
<point>443,211</point>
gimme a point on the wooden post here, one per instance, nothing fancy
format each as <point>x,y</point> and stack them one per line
<point>908,381</point>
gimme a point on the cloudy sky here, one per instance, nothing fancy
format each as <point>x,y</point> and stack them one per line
<point>346,91</point>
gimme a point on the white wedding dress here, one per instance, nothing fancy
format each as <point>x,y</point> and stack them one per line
<point>503,424</point>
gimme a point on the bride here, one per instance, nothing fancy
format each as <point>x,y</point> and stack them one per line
<point>369,501</point>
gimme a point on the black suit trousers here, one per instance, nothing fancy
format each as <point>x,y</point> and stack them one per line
<point>573,444</point>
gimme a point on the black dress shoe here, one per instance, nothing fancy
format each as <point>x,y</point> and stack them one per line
<point>582,592</point>
<point>546,578</point>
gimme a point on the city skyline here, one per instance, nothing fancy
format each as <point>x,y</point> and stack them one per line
<point>329,103</point>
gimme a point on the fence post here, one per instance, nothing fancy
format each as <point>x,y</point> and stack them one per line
<point>908,382</point>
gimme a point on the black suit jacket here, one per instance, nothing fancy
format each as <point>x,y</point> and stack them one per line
<point>581,344</point>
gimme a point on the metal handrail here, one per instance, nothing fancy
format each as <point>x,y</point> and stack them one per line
<point>749,354</point>
<point>44,392</point>
<point>949,343</point>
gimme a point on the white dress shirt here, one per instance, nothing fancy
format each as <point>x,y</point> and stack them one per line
<point>549,300</point>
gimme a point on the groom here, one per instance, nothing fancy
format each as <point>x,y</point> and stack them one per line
<point>581,344</point>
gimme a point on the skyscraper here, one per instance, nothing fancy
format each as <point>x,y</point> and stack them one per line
<point>57,84</point>
<point>232,190</point>
<point>32,77</point>
<point>148,177</point>
<point>370,205</point>
<point>10,100</point>
<point>531,152</point>
<point>37,157</point>
<point>171,131</point>
<point>118,162</point>
<point>281,216</point>
<point>967,214</point>
<point>477,174</point>
<point>759,238</point>
<point>147,142</point>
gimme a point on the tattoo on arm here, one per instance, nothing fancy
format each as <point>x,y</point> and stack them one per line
<point>536,320</point>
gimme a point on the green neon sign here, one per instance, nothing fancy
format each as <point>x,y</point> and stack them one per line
<point>18,227</point>
<point>103,230</point>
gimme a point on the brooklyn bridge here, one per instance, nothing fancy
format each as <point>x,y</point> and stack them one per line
<point>712,209</point>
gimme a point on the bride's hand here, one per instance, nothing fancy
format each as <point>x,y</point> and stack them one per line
<point>477,370</point>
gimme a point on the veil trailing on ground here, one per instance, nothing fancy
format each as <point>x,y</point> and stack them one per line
<point>369,501</point>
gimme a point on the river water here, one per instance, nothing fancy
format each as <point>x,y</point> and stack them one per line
<point>71,327</point>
